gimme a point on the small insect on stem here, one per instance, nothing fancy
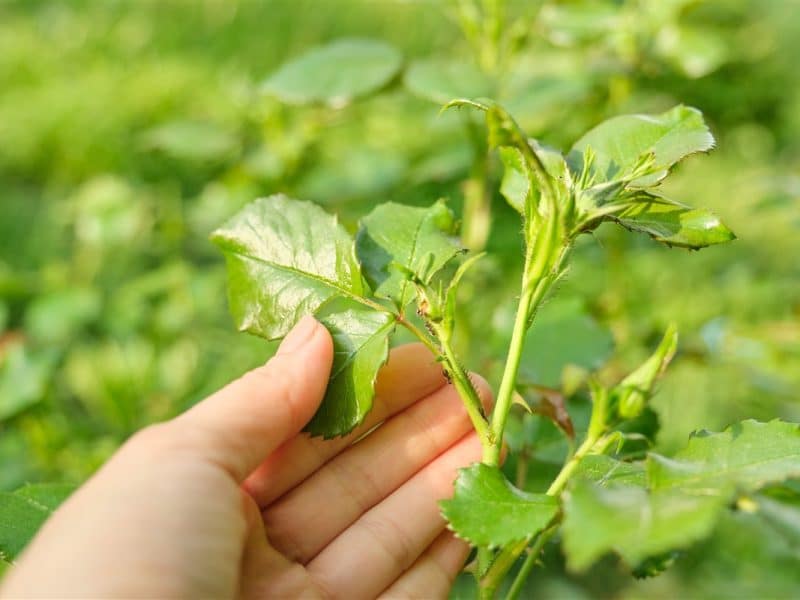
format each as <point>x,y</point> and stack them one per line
<point>447,376</point>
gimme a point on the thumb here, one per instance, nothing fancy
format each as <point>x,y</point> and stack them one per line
<point>241,424</point>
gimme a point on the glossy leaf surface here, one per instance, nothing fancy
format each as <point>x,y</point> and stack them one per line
<point>632,522</point>
<point>620,143</point>
<point>419,240</point>
<point>285,259</point>
<point>487,510</point>
<point>361,347</point>
<point>335,74</point>
<point>746,456</point>
<point>673,223</point>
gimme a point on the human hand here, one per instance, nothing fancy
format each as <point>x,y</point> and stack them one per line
<point>230,500</point>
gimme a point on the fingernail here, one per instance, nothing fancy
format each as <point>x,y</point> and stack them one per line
<point>299,335</point>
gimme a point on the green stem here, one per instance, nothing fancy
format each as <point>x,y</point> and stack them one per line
<point>419,334</point>
<point>469,395</point>
<point>466,391</point>
<point>491,455</point>
<point>569,467</point>
<point>504,561</point>
<point>476,215</point>
<point>536,279</point>
<point>530,561</point>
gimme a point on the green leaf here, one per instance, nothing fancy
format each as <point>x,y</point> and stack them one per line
<point>440,80</point>
<point>486,510</point>
<point>420,240</point>
<point>285,259</point>
<point>361,347</point>
<point>745,457</point>
<point>23,512</point>
<point>335,74</point>
<point>620,143</point>
<point>516,185</point>
<point>673,223</point>
<point>631,394</point>
<point>633,522</point>
<point>605,470</point>
<point>48,495</point>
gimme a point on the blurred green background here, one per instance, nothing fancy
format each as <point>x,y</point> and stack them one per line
<point>129,130</point>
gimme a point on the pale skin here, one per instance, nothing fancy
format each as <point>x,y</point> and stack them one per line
<point>231,500</point>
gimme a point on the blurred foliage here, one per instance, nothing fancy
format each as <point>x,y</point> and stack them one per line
<point>128,131</point>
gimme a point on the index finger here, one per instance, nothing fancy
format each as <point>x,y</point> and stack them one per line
<point>410,374</point>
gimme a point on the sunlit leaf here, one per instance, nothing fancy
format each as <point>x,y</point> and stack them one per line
<point>673,223</point>
<point>420,240</point>
<point>746,456</point>
<point>335,74</point>
<point>487,510</point>
<point>620,143</point>
<point>285,259</point>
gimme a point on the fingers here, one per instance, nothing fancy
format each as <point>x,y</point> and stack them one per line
<point>241,424</point>
<point>391,536</point>
<point>365,474</point>
<point>433,573</point>
<point>265,573</point>
<point>411,373</point>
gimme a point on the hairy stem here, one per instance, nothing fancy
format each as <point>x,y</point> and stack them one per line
<point>536,279</point>
<point>469,395</point>
<point>491,455</point>
<point>420,335</point>
<point>504,561</point>
<point>460,379</point>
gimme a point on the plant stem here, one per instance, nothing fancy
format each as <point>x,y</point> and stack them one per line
<point>469,396</point>
<point>466,391</point>
<point>419,334</point>
<point>569,467</point>
<point>536,279</point>
<point>530,561</point>
<point>491,455</point>
<point>504,561</point>
<point>477,213</point>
